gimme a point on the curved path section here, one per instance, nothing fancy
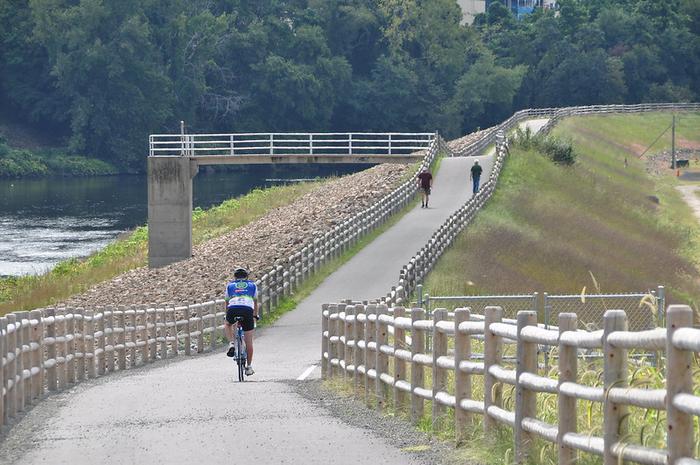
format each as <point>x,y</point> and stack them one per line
<point>191,411</point>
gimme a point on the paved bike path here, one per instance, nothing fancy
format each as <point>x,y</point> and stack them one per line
<point>190,410</point>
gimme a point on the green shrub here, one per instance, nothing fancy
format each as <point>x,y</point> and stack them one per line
<point>73,165</point>
<point>559,151</point>
<point>18,163</point>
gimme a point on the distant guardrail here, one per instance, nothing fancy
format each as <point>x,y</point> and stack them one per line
<point>359,144</point>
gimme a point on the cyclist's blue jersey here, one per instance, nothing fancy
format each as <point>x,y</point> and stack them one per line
<point>241,293</point>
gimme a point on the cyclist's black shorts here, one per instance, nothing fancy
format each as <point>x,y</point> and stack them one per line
<point>426,190</point>
<point>248,322</point>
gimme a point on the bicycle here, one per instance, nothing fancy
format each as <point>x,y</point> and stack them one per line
<point>241,354</point>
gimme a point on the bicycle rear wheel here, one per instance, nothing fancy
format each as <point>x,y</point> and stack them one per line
<point>240,360</point>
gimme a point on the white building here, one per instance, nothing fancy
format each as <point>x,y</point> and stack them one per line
<point>471,8</point>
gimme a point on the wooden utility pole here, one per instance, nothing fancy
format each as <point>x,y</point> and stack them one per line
<point>673,143</point>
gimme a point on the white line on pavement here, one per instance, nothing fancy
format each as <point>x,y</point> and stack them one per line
<point>306,373</point>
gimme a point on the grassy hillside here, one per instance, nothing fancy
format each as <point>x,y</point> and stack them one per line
<point>551,228</point>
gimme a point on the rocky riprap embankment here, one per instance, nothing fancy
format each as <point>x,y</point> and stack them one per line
<point>256,245</point>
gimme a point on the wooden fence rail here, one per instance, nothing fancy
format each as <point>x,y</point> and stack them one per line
<point>356,346</point>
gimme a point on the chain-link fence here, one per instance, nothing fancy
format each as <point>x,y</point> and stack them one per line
<point>644,309</point>
<point>511,304</point>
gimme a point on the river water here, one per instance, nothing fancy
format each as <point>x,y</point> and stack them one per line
<point>44,221</point>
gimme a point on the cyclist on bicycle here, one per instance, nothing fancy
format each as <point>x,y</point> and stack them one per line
<point>241,302</point>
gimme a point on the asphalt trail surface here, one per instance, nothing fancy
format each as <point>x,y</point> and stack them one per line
<point>190,410</point>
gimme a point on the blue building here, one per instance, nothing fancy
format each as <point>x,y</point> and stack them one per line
<point>523,7</point>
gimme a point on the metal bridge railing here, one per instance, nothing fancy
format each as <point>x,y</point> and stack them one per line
<point>281,144</point>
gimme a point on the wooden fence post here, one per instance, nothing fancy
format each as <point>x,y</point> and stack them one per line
<point>439,374</point>
<point>399,364</point>
<point>90,343</point>
<point>151,334</point>
<point>121,337</point>
<point>101,340</point>
<point>37,356</point>
<point>525,399</point>
<point>11,369</point>
<point>199,312</point>
<point>171,325</point>
<point>679,380</point>
<point>27,378</point>
<point>20,360</point>
<point>62,340</point>
<point>79,334</point>
<point>463,386</point>
<point>51,376</point>
<point>382,365</point>
<point>357,355</point>
<point>339,350</point>
<point>568,372</point>
<point>370,359</point>
<point>3,361</point>
<point>325,335</point>
<point>332,332</point>
<point>186,314</point>
<point>492,356</point>
<point>161,333</point>
<point>70,346</point>
<point>417,370</point>
<point>348,332</point>
<point>615,375</point>
<point>213,323</point>
<point>109,334</point>
<point>134,332</point>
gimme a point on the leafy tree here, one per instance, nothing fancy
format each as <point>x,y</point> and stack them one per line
<point>104,62</point>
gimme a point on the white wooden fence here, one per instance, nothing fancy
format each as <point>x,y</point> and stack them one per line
<point>357,347</point>
<point>55,348</point>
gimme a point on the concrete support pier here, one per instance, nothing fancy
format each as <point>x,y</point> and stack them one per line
<point>169,209</point>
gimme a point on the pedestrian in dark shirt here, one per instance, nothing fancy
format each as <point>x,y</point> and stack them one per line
<point>475,175</point>
<point>425,183</point>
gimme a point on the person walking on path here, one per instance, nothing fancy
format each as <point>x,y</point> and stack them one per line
<point>425,183</point>
<point>475,175</point>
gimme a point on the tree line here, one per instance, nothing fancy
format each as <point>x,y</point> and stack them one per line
<point>104,74</point>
